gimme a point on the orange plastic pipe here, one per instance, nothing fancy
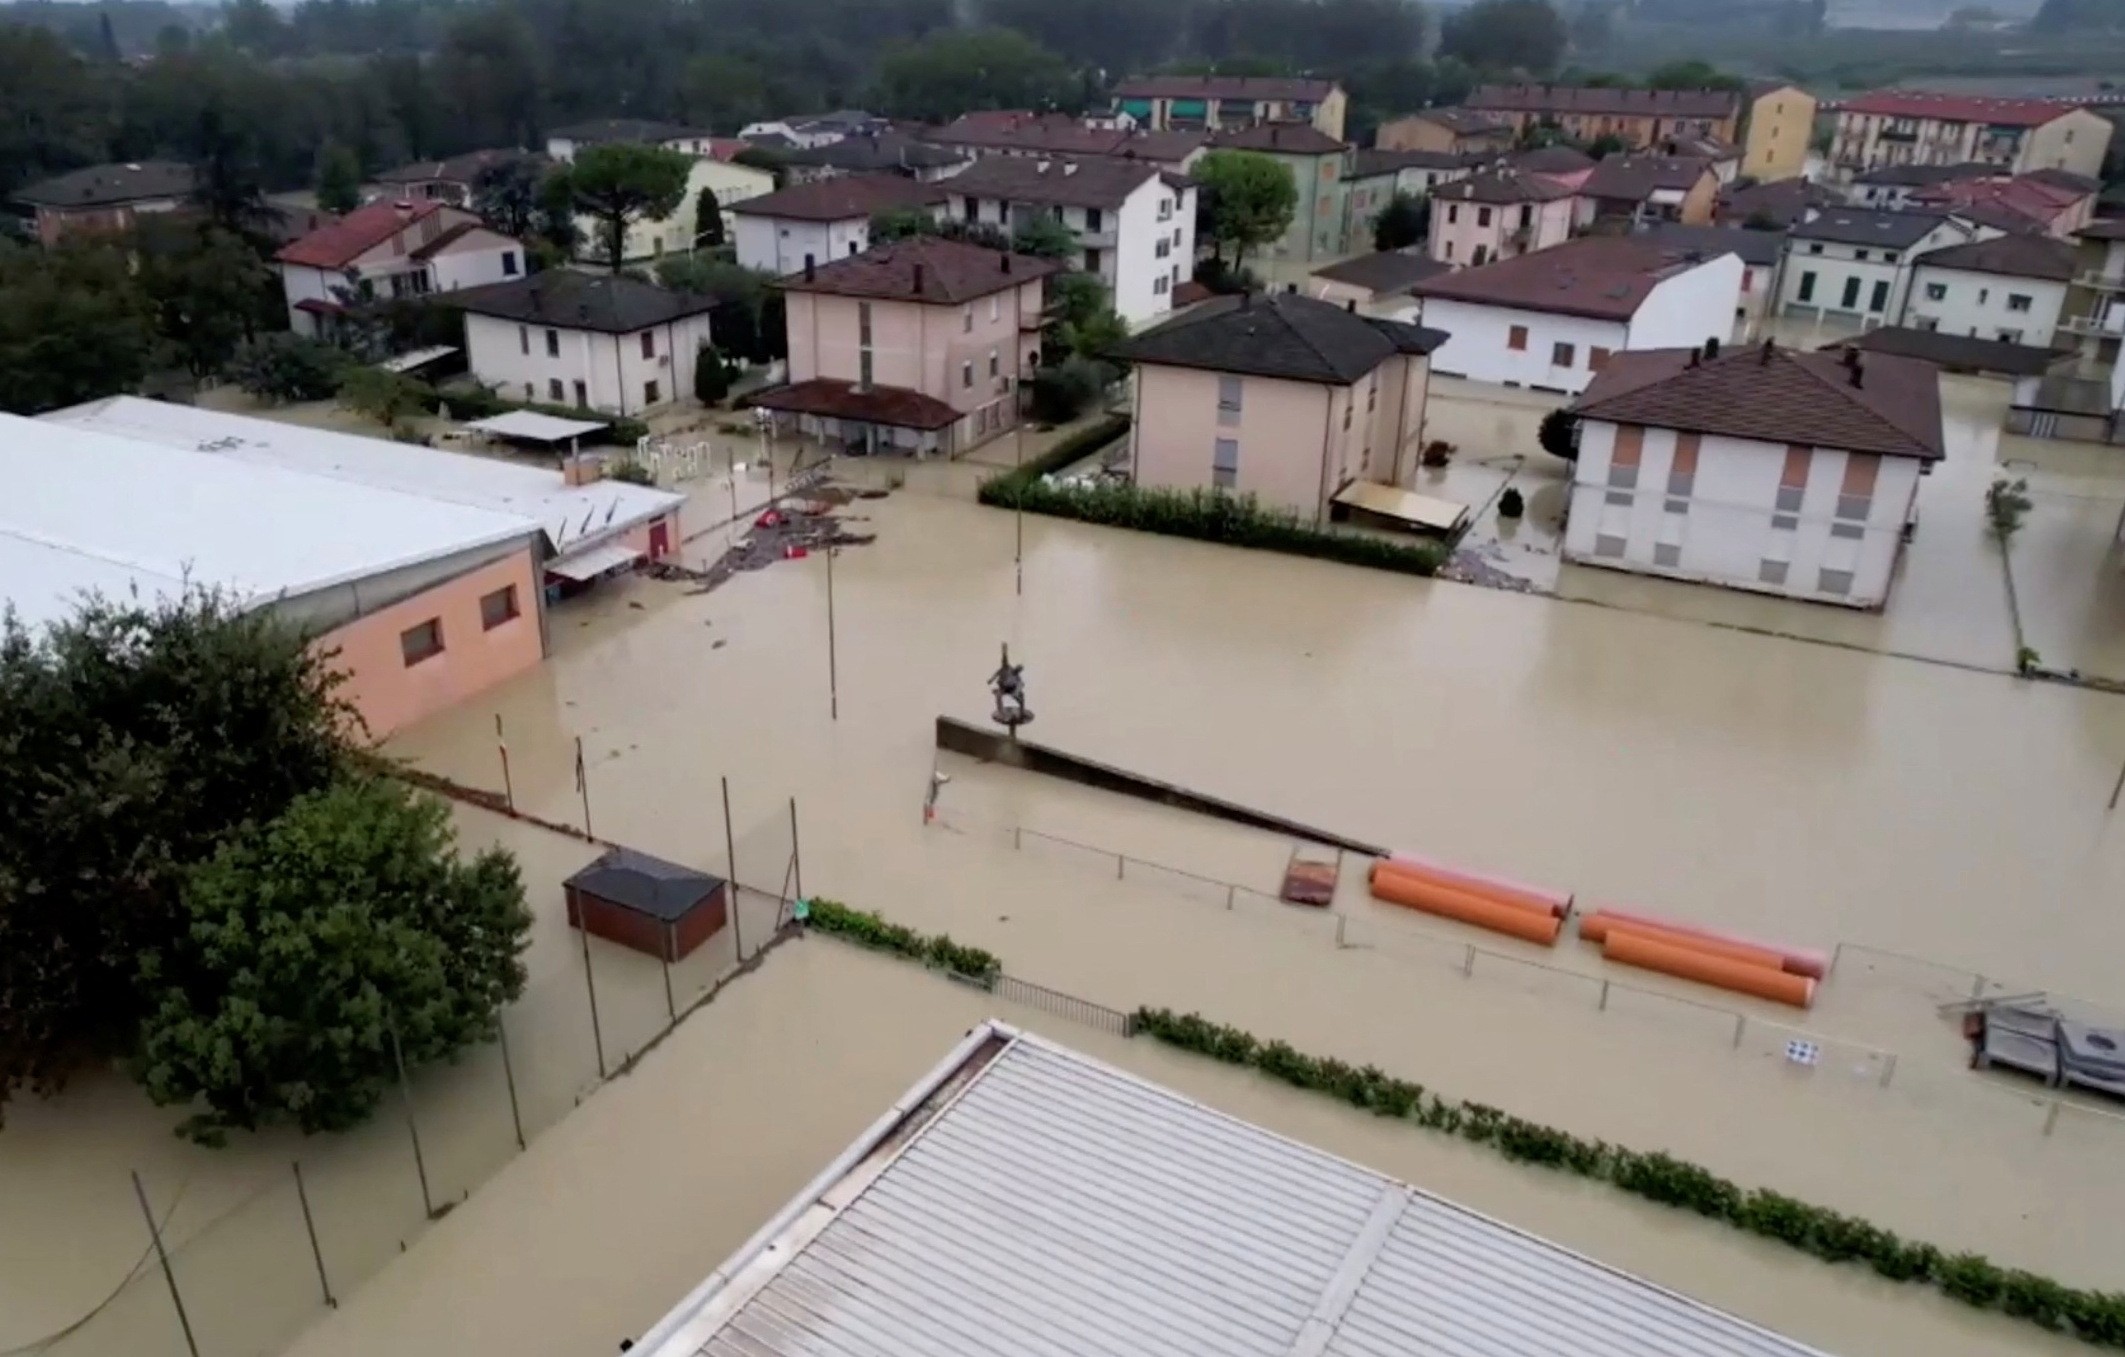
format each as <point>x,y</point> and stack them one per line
<point>1595,923</point>
<point>1638,949</point>
<point>1558,903</point>
<point>1414,892</point>
<point>1390,867</point>
<point>1596,927</point>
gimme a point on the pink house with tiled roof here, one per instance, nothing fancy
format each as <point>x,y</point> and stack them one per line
<point>918,346</point>
<point>1919,127</point>
<point>389,250</point>
<point>1758,468</point>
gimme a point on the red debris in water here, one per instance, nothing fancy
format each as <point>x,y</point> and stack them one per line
<point>795,553</point>
<point>771,519</point>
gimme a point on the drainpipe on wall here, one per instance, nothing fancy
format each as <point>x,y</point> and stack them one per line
<point>1328,416</point>
<point>619,372</point>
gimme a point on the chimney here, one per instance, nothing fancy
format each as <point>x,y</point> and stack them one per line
<point>811,269</point>
<point>1859,372</point>
<point>1350,304</point>
<point>1768,349</point>
<point>1711,348</point>
<point>919,275</point>
<point>1006,261</point>
<point>1851,356</point>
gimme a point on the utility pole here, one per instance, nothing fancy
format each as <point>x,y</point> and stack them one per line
<point>833,669</point>
<point>1018,496</point>
<point>2117,787</point>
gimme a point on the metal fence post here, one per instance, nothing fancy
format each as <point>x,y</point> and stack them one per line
<point>1741,1022</point>
<point>2051,1119</point>
<point>405,1093</point>
<point>1468,962</point>
<point>664,960</point>
<point>730,853</point>
<point>796,853</point>
<point>516,1115</point>
<point>317,1254</point>
<point>1889,1069</point>
<point>1604,1004</point>
<point>184,1321</point>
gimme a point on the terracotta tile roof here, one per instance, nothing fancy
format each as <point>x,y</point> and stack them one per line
<point>1506,185</point>
<point>833,398</point>
<point>2010,256</point>
<point>1775,395</point>
<point>1635,178</point>
<point>362,230</point>
<point>1067,181</point>
<point>2032,197</point>
<point>1284,334</point>
<point>1602,100</point>
<point>1966,108</point>
<point>1280,139</point>
<point>2080,185</point>
<point>923,269</point>
<point>1274,87</point>
<point>1389,271</point>
<point>1557,160</point>
<point>841,198</point>
<point>111,185</point>
<point>1600,277</point>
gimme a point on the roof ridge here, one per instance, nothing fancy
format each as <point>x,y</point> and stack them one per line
<point>1845,390</point>
<point>1327,363</point>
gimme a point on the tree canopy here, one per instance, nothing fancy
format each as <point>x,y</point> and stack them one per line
<point>956,71</point>
<point>309,944</point>
<point>1506,35</point>
<point>620,184</point>
<point>74,325</point>
<point>339,178</point>
<point>1249,199</point>
<point>1405,221</point>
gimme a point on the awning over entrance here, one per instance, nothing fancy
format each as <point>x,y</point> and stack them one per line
<point>533,427</point>
<point>588,565</point>
<point>1441,516</point>
<point>418,359</point>
<point>892,406</point>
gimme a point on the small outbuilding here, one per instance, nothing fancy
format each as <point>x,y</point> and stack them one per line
<point>658,908</point>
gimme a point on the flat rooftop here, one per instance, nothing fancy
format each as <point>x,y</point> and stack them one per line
<point>573,517</point>
<point>1026,1199</point>
<point>88,511</point>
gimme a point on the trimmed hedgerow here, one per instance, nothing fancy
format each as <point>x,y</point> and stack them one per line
<point>1000,489</point>
<point>875,931</point>
<point>2094,1316</point>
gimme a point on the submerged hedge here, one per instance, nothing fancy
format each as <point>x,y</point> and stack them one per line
<point>873,931</point>
<point>2094,1316</point>
<point>1203,515</point>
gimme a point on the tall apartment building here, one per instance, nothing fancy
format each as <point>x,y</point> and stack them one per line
<point>1916,127</point>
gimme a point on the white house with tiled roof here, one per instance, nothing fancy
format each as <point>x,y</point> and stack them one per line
<point>390,250</point>
<point>1758,468</point>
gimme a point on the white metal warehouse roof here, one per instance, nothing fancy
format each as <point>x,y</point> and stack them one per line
<point>572,516</point>
<point>1026,1200</point>
<point>88,512</point>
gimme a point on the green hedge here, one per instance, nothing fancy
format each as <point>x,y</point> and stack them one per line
<point>1000,489</point>
<point>1204,515</point>
<point>874,931</point>
<point>2094,1316</point>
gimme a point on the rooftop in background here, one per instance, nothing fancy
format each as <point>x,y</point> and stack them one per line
<point>607,303</point>
<point>360,231</point>
<point>1782,201</point>
<point>1600,277</point>
<point>1868,226</point>
<point>1389,271</point>
<point>1024,1198</point>
<point>1288,89</point>
<point>1279,138</point>
<point>1067,181</point>
<point>1918,176</point>
<point>111,185</point>
<point>1552,160</point>
<point>842,197</point>
<point>458,169</point>
<point>2009,256</point>
<point>2080,185</point>
<point>572,517</point>
<point>644,130</point>
<point>2108,228</point>
<point>1878,403</point>
<point>1968,108</point>
<point>867,153</point>
<point>1704,148</point>
<point>1634,178</point>
<point>1283,334</point>
<point>924,269</point>
<point>96,509</point>
<point>1503,185</point>
<point>1758,249</point>
<point>1605,101</point>
<point>1372,161</point>
<point>1957,353</point>
<point>1463,121</point>
<point>1060,134</point>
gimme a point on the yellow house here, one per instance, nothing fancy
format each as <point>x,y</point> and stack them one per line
<point>651,240</point>
<point>1781,119</point>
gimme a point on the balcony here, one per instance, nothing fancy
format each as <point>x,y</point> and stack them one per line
<point>2101,282</point>
<point>2112,324</point>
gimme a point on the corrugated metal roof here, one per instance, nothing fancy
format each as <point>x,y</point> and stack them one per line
<point>1057,1207</point>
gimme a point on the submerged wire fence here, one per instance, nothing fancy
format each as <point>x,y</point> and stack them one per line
<point>1772,1043</point>
<point>246,1246</point>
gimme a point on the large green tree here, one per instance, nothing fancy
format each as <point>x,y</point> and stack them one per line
<point>208,291</point>
<point>137,735</point>
<point>506,195</point>
<point>339,178</point>
<point>1506,35</point>
<point>1248,200</point>
<point>1404,222</point>
<point>970,69</point>
<point>620,184</point>
<point>309,943</point>
<point>74,325</point>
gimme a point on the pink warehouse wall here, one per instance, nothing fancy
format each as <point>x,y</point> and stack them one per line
<point>391,694</point>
